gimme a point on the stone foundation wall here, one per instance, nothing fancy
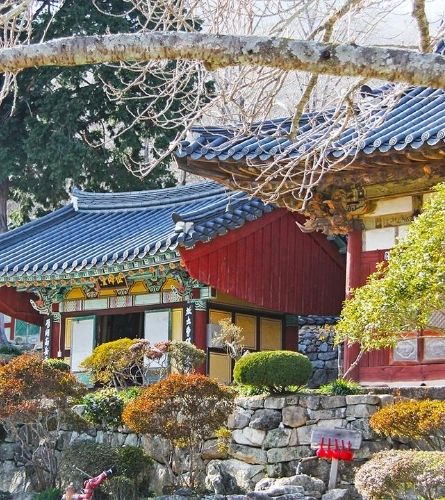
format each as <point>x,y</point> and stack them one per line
<point>270,437</point>
<point>318,346</point>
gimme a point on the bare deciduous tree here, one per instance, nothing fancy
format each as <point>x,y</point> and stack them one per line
<point>238,63</point>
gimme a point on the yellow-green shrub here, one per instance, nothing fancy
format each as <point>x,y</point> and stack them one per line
<point>110,363</point>
<point>422,422</point>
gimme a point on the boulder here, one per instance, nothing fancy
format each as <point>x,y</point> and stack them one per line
<point>312,402</point>
<point>304,434</point>
<point>219,480</point>
<point>291,400</point>
<point>248,454</point>
<point>300,484</point>
<point>275,403</point>
<point>249,436</point>
<point>246,476</point>
<point>251,403</point>
<point>265,419</point>
<point>132,440</point>
<point>360,410</point>
<point>155,447</point>
<point>13,479</point>
<point>362,399</point>
<point>277,438</point>
<point>211,450</point>
<point>159,479</point>
<point>333,402</point>
<point>326,414</point>
<point>239,419</point>
<point>287,454</point>
<point>287,489</point>
<point>337,494</point>
<point>294,416</point>
<point>8,450</point>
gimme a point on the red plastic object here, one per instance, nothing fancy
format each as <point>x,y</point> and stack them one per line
<point>335,451</point>
<point>321,452</point>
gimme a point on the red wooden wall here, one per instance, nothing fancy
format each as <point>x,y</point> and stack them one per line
<point>271,263</point>
<point>17,305</point>
<point>377,366</point>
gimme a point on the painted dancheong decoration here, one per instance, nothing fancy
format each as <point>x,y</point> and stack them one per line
<point>335,444</point>
<point>163,265</point>
<point>372,195</point>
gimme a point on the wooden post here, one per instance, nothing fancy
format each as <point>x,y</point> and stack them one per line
<point>333,474</point>
<point>200,327</point>
<point>353,280</point>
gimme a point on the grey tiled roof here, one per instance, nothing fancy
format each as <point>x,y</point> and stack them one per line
<point>417,119</point>
<point>316,320</point>
<point>98,230</point>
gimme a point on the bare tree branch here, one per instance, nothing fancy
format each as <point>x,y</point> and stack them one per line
<point>419,15</point>
<point>225,50</point>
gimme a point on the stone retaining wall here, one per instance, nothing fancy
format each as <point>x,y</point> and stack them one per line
<point>270,436</point>
<point>318,345</point>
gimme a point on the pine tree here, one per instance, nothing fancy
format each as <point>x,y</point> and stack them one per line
<point>42,133</point>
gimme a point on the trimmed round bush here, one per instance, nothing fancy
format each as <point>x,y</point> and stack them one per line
<point>275,370</point>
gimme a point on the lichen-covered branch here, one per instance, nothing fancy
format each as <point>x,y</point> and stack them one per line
<point>219,51</point>
<point>419,15</point>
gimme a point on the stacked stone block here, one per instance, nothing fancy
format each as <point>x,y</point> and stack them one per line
<point>318,345</point>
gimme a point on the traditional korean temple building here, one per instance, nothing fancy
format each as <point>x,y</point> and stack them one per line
<point>168,264</point>
<point>390,172</point>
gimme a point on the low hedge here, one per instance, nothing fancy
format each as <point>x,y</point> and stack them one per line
<point>274,370</point>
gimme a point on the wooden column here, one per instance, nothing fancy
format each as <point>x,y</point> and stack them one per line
<point>353,280</point>
<point>200,328</point>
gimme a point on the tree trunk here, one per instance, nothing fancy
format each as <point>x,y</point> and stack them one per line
<point>219,51</point>
<point>4,192</point>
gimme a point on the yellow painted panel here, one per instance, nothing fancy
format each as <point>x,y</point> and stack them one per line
<point>270,334</point>
<point>220,367</point>
<point>248,324</point>
<point>171,284</point>
<point>107,292</point>
<point>177,324</point>
<point>68,332</point>
<point>216,316</point>
<point>138,287</point>
<point>75,294</point>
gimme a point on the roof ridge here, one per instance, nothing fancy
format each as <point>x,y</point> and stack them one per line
<point>154,198</point>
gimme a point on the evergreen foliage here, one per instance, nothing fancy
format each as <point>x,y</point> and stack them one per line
<point>275,370</point>
<point>47,131</point>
